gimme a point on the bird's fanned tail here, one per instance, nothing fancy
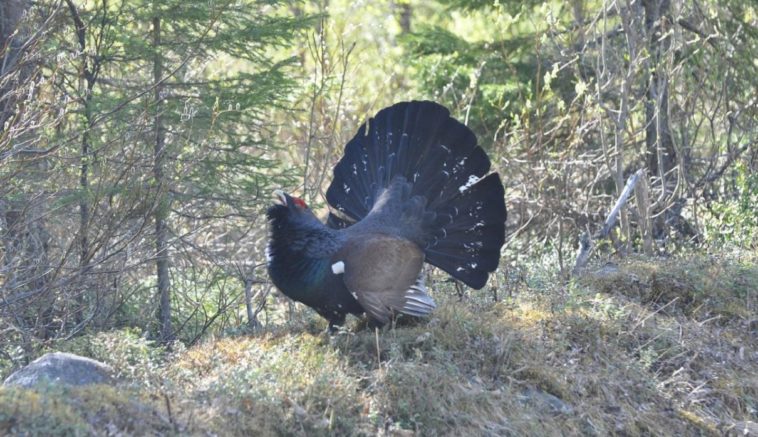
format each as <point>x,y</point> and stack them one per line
<point>438,155</point>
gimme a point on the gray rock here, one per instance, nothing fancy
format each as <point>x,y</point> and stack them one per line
<point>61,368</point>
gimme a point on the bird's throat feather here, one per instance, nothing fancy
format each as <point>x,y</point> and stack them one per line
<point>297,276</point>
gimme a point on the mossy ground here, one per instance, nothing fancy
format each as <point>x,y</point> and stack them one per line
<point>647,347</point>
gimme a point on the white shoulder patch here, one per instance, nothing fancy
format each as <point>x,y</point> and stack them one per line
<point>338,267</point>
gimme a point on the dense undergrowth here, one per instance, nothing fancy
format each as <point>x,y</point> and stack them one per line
<point>646,347</point>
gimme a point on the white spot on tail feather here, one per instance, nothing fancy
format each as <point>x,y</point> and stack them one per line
<point>338,267</point>
<point>471,181</point>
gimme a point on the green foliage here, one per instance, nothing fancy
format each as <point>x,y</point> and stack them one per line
<point>127,351</point>
<point>221,81</point>
<point>734,221</point>
<point>487,77</point>
<point>512,6</point>
<point>208,301</point>
<point>208,85</point>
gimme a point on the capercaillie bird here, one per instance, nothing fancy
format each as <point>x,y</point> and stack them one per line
<point>411,187</point>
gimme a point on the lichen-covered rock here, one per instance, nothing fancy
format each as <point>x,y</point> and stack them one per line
<point>61,368</point>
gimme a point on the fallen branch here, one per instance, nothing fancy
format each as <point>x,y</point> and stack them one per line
<point>585,241</point>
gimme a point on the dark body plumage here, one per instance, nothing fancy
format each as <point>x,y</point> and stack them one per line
<point>412,187</point>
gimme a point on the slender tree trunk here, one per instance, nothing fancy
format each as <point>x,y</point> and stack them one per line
<point>26,239</point>
<point>641,194</point>
<point>84,210</point>
<point>11,13</point>
<point>87,78</point>
<point>404,12</point>
<point>252,320</point>
<point>661,156</point>
<point>161,211</point>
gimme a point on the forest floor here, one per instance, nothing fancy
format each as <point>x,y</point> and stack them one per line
<point>645,347</point>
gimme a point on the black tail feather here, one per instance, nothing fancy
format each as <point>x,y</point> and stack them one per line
<point>469,247</point>
<point>465,219</point>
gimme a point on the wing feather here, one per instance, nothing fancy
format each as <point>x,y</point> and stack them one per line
<point>382,272</point>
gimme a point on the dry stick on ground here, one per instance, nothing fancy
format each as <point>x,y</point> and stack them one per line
<point>585,242</point>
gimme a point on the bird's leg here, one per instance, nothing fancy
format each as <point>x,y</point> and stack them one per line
<point>335,323</point>
<point>333,327</point>
<point>367,323</point>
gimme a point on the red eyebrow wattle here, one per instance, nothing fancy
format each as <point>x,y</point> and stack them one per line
<point>299,202</point>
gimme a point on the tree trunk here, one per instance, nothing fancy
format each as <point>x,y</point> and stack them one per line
<point>26,267</point>
<point>660,150</point>
<point>404,12</point>
<point>161,210</point>
<point>87,80</point>
<point>252,319</point>
<point>11,13</point>
<point>641,194</point>
<point>661,156</point>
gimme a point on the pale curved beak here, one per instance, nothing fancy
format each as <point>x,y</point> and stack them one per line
<point>281,197</point>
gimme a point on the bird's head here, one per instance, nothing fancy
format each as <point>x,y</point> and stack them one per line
<point>289,210</point>
<point>295,229</point>
<point>284,199</point>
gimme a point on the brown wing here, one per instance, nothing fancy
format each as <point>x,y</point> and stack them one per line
<point>382,271</point>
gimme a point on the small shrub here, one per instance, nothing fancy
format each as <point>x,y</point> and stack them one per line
<point>31,412</point>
